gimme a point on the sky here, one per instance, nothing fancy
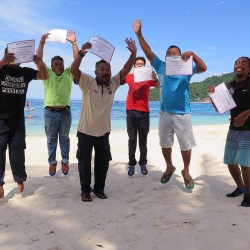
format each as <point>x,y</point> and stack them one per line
<point>217,31</point>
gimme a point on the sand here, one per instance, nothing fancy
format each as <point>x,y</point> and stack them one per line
<point>140,212</point>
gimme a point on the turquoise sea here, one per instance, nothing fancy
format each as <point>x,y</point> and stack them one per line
<point>202,114</point>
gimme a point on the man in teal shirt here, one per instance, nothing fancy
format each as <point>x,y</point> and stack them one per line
<point>175,117</point>
<point>57,113</point>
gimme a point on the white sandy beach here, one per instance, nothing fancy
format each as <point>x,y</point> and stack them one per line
<point>140,212</point>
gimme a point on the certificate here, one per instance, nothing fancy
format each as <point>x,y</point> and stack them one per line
<point>222,99</point>
<point>176,66</point>
<point>101,48</point>
<point>142,74</point>
<point>57,36</point>
<point>24,50</point>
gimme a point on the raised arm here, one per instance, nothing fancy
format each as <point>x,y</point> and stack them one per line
<point>39,51</point>
<point>8,58</point>
<point>74,70</point>
<point>42,72</point>
<point>144,46</point>
<point>72,39</point>
<point>129,64</point>
<point>200,65</point>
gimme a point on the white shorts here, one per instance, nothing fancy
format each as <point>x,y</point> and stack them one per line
<point>181,125</point>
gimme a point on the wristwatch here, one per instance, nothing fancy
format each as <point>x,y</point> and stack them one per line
<point>80,53</point>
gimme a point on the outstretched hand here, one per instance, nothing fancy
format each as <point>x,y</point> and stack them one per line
<point>137,26</point>
<point>71,36</point>
<point>131,45</point>
<point>86,45</point>
<point>44,37</point>
<point>8,58</point>
<point>211,89</point>
<point>186,55</point>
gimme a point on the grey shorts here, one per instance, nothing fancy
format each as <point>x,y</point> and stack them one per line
<point>181,125</point>
<point>237,149</point>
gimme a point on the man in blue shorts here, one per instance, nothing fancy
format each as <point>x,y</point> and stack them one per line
<point>237,149</point>
<point>175,117</point>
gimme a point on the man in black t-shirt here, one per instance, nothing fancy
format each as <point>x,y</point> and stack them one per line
<point>14,81</point>
<point>237,149</point>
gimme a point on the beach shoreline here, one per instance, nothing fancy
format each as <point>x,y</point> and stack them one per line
<point>202,114</point>
<point>140,212</point>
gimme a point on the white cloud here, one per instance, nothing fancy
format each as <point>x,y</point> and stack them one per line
<point>20,17</point>
<point>218,3</point>
<point>25,19</point>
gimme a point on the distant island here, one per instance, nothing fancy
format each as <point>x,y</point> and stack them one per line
<point>198,90</point>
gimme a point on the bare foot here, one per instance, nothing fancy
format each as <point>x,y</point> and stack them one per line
<point>20,186</point>
<point>1,192</point>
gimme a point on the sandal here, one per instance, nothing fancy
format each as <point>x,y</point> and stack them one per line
<point>144,170</point>
<point>65,168</point>
<point>101,195</point>
<point>86,197</point>
<point>131,170</point>
<point>166,177</point>
<point>52,169</point>
<point>188,181</point>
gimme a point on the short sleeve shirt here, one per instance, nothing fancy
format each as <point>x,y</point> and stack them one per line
<point>57,88</point>
<point>241,95</point>
<point>13,88</point>
<point>138,92</point>
<point>174,90</point>
<point>97,102</point>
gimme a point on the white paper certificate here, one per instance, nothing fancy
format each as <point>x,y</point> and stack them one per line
<point>143,74</point>
<point>24,50</point>
<point>222,99</point>
<point>176,66</point>
<point>101,48</point>
<point>57,36</point>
